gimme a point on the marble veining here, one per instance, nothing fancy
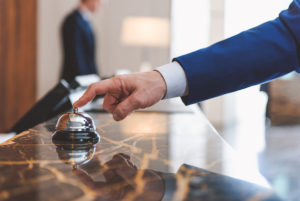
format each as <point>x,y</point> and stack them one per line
<point>134,160</point>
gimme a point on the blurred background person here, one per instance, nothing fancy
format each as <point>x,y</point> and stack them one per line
<point>79,41</point>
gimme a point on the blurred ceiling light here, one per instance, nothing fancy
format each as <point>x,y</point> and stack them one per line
<point>146,32</point>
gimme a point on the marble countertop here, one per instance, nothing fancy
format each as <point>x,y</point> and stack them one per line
<point>136,159</point>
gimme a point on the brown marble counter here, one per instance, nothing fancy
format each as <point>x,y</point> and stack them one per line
<point>140,158</point>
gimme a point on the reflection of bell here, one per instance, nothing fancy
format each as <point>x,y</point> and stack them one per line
<point>76,127</point>
<point>75,154</point>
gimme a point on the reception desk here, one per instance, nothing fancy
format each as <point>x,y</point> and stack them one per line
<point>168,152</point>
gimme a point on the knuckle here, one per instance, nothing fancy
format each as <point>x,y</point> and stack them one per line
<point>120,79</point>
<point>92,87</point>
<point>117,78</point>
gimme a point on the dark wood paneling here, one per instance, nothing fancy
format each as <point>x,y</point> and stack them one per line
<point>18,37</point>
<point>2,73</point>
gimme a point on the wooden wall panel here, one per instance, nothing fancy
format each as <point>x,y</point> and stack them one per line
<point>2,73</point>
<point>18,36</point>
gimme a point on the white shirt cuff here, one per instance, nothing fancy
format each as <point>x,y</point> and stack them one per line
<point>175,79</point>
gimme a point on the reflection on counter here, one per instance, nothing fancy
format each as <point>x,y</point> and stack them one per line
<point>144,123</point>
<point>124,181</point>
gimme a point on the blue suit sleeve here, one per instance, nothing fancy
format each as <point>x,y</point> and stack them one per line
<point>252,57</point>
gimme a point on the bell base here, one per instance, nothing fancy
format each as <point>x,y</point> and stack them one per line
<point>66,137</point>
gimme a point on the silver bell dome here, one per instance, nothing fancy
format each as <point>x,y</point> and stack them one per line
<point>75,122</point>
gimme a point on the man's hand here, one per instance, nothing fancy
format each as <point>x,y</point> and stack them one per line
<point>126,93</point>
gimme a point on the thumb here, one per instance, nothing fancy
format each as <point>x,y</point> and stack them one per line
<point>93,90</point>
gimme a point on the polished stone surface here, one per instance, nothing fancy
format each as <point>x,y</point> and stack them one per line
<point>134,160</point>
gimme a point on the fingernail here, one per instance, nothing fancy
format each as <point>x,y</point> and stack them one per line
<point>116,116</point>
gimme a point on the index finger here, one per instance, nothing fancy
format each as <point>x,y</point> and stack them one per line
<point>98,88</point>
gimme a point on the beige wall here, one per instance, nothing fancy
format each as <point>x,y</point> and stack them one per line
<point>197,24</point>
<point>111,54</point>
<point>214,108</point>
<point>50,15</point>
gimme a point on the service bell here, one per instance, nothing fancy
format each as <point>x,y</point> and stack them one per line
<point>76,127</point>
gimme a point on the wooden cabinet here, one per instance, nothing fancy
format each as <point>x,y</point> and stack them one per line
<point>18,36</point>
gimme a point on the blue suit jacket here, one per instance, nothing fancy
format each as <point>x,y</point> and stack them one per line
<point>251,57</point>
<point>78,47</point>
